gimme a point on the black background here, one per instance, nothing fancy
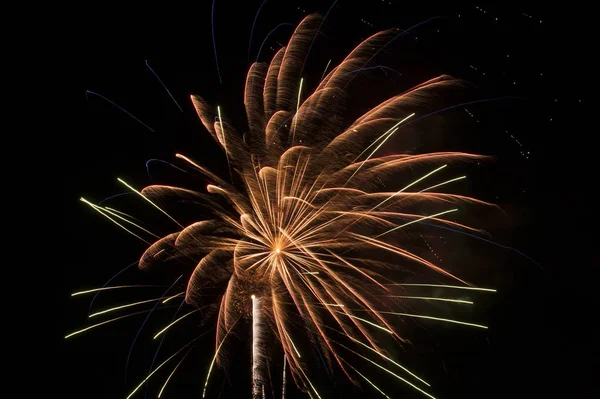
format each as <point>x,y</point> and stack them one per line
<point>541,340</point>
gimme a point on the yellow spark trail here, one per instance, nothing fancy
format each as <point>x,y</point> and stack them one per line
<point>429,298</point>
<point>114,288</point>
<point>383,136</point>
<point>212,363</point>
<point>424,177</point>
<point>294,346</point>
<point>369,381</point>
<point>158,368</point>
<point>388,371</point>
<point>311,384</point>
<point>459,287</point>
<point>104,322</point>
<point>326,67</point>
<point>130,222</point>
<point>368,322</point>
<point>173,297</point>
<point>297,107</point>
<point>173,372</point>
<point>416,221</point>
<point>167,327</point>
<point>124,306</point>
<point>389,359</point>
<point>443,183</point>
<point>437,318</point>
<point>152,203</point>
<point>101,211</point>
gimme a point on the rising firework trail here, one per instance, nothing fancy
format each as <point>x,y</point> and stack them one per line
<point>301,242</point>
<point>257,384</point>
<point>284,382</point>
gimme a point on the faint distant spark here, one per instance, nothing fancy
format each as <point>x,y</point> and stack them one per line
<point>118,106</point>
<point>212,18</point>
<point>163,85</point>
<point>252,30</point>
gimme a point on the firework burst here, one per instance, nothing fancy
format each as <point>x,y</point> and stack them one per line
<point>302,238</point>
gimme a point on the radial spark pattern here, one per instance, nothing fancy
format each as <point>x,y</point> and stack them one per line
<point>303,233</point>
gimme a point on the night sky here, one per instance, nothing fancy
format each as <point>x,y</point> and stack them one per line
<point>536,63</point>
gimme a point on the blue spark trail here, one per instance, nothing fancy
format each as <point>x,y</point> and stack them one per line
<point>265,40</point>
<point>252,30</point>
<point>144,323</point>
<point>323,361</point>
<point>394,39</point>
<point>108,282</point>
<point>461,105</point>
<point>161,342</point>
<point>114,196</point>
<point>118,106</point>
<point>269,34</point>
<point>316,34</point>
<point>163,85</point>
<point>373,67</point>
<point>482,239</point>
<point>212,21</point>
<point>160,160</point>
